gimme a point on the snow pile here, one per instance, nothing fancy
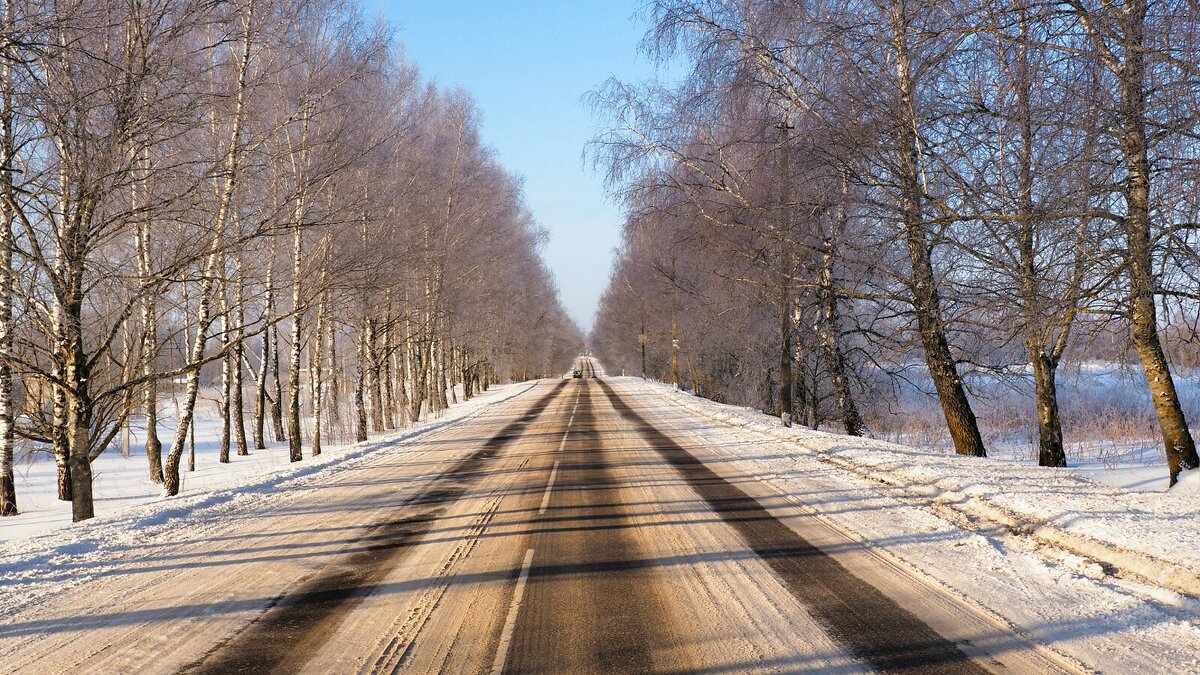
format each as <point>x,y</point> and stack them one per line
<point>1188,485</point>
<point>1147,536</point>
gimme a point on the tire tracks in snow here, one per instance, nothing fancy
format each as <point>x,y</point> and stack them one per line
<point>297,623</point>
<point>855,614</point>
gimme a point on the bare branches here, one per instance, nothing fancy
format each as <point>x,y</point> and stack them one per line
<point>1010,180</point>
<point>159,153</point>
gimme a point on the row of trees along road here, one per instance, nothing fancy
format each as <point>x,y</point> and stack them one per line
<point>836,188</point>
<point>261,194</point>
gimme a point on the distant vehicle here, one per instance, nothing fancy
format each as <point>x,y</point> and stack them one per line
<point>578,373</point>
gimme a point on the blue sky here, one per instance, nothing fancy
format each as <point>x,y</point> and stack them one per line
<point>528,64</point>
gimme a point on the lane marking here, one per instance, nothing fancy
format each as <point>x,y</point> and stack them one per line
<point>554,472</point>
<point>510,623</point>
<point>549,486</point>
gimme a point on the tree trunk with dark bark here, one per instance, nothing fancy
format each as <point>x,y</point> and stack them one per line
<point>943,368</point>
<point>1143,316</point>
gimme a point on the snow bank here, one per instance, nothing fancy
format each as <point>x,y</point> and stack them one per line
<point>51,555</point>
<point>1152,537</point>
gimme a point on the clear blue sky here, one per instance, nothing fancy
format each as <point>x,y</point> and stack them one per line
<point>528,64</point>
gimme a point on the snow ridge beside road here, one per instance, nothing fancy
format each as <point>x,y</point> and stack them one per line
<point>1147,537</point>
<point>34,567</point>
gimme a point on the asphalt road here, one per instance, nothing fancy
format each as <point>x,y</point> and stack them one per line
<point>566,532</point>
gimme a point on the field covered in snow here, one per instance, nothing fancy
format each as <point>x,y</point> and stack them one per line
<point>1108,422</point>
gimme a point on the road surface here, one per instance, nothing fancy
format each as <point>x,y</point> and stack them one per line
<point>564,531</point>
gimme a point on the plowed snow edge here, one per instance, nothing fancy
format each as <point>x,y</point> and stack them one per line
<point>954,495</point>
<point>39,566</point>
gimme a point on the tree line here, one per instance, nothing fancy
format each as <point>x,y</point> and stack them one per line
<point>261,197</point>
<point>836,191</point>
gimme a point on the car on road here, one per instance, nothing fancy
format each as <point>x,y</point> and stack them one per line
<point>578,373</point>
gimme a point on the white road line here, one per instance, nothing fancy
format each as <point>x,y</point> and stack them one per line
<point>511,622</point>
<point>549,486</point>
<point>554,472</point>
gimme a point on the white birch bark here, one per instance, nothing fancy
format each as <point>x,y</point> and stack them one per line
<point>196,353</point>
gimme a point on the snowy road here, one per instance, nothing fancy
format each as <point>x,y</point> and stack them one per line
<point>570,529</point>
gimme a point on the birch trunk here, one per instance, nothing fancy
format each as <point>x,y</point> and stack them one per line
<point>943,369</point>
<point>294,440</point>
<point>226,372</point>
<point>449,362</point>
<point>385,374</point>
<point>316,358</point>
<point>335,385</point>
<point>467,373</point>
<point>1045,364</point>
<point>76,388</point>
<point>195,356</point>
<point>784,300</point>
<point>830,320</point>
<point>400,368</point>
<point>443,403</point>
<point>149,312</point>
<point>264,361</point>
<point>421,372</point>
<point>360,382</point>
<point>1143,316</point>
<point>675,327</point>
<point>60,446</point>
<point>410,374</point>
<point>295,452</point>
<point>196,352</point>
<point>277,401</point>
<point>8,205</point>
<point>373,376</point>
<point>238,404</point>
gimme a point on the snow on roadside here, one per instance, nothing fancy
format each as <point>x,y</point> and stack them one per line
<point>1148,536</point>
<point>47,554</point>
<point>1064,604</point>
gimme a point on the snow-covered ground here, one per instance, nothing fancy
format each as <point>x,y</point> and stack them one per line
<point>121,483</point>
<point>1151,536</point>
<point>1109,426</point>
<point>1105,577</point>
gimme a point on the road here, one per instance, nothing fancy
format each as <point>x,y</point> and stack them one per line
<point>565,531</point>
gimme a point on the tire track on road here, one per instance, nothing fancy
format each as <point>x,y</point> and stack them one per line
<point>297,623</point>
<point>592,605</point>
<point>858,616</point>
